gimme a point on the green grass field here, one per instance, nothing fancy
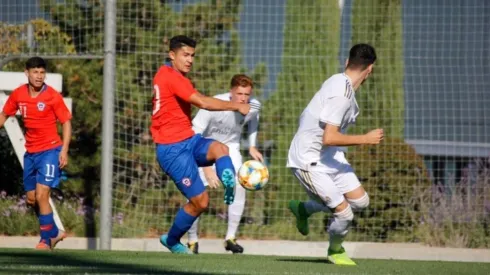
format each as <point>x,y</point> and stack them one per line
<point>26,261</point>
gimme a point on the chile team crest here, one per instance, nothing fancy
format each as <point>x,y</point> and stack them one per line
<point>187,182</point>
<point>41,106</point>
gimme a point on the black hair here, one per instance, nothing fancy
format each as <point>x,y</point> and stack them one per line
<point>180,41</point>
<point>361,56</point>
<point>35,62</point>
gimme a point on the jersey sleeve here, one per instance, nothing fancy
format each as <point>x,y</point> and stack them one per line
<point>253,124</point>
<point>334,110</point>
<point>182,89</point>
<point>60,110</point>
<point>10,107</point>
<point>253,127</point>
<point>201,121</point>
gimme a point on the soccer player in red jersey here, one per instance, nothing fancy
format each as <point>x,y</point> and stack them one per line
<point>179,150</point>
<point>41,107</point>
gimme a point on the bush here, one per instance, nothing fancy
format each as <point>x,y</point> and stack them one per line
<point>396,179</point>
<point>458,214</point>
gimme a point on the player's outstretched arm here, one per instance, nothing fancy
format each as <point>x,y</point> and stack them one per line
<point>333,137</point>
<point>3,118</point>
<point>213,104</point>
<point>66,143</point>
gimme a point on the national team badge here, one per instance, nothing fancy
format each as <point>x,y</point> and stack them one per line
<point>41,106</point>
<point>186,182</point>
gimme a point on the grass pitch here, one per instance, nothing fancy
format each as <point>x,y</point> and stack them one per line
<point>27,261</point>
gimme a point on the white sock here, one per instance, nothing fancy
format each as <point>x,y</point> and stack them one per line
<point>192,233</point>
<point>235,211</point>
<point>312,207</point>
<point>339,227</point>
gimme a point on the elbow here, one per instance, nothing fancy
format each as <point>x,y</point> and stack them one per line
<point>204,105</point>
<point>328,142</point>
<point>330,139</point>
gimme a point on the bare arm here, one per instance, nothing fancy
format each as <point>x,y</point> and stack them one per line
<point>333,137</point>
<point>3,118</point>
<point>214,104</point>
<point>66,144</point>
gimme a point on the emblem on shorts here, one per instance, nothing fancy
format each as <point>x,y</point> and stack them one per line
<point>41,106</point>
<point>186,182</point>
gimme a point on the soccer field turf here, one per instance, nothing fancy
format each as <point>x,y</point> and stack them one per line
<point>24,261</point>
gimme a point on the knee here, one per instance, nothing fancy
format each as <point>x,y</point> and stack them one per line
<point>360,203</point>
<point>223,149</point>
<point>200,203</point>
<point>218,150</point>
<point>31,199</point>
<point>42,196</point>
<point>341,222</point>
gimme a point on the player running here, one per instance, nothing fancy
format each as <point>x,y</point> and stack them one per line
<point>226,127</point>
<point>316,156</point>
<point>46,154</point>
<point>179,150</point>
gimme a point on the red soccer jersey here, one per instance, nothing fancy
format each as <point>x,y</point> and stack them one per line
<point>40,115</point>
<point>171,119</point>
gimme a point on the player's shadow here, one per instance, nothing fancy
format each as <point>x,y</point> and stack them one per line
<point>90,230</point>
<point>305,260</point>
<point>22,262</point>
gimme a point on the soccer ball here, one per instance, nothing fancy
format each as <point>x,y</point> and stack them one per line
<point>253,175</point>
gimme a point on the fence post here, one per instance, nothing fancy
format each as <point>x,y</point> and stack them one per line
<point>108,124</point>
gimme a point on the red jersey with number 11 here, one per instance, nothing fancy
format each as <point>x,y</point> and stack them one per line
<point>171,116</point>
<point>39,114</point>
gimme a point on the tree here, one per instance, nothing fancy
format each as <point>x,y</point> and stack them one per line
<point>311,45</point>
<point>379,23</point>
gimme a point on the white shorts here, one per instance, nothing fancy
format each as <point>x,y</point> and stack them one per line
<point>236,159</point>
<point>327,188</point>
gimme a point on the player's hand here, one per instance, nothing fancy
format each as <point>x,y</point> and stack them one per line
<point>63,158</point>
<point>374,136</point>
<point>211,177</point>
<point>213,181</point>
<point>244,109</point>
<point>255,154</point>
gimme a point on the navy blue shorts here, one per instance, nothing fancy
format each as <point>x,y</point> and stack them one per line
<point>42,167</point>
<point>181,162</point>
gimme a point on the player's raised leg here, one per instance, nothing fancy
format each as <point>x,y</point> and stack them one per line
<point>303,210</point>
<point>219,153</point>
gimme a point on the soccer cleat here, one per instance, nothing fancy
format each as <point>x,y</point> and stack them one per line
<point>299,211</point>
<point>193,247</point>
<point>233,246</point>
<point>177,248</point>
<point>61,236</point>
<point>339,257</point>
<point>42,245</point>
<point>228,180</point>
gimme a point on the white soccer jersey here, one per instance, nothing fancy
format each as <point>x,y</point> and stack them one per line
<point>335,104</point>
<point>226,126</point>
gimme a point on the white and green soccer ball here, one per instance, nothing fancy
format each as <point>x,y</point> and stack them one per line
<point>253,175</point>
